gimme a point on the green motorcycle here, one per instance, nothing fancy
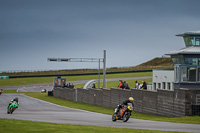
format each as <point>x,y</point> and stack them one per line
<point>12,107</point>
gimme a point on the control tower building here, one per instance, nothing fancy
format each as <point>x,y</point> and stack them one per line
<point>187,62</point>
<point>186,73</point>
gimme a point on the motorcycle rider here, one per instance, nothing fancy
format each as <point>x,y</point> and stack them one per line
<point>15,99</point>
<point>130,100</point>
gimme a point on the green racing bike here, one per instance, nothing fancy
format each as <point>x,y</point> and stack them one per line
<point>12,107</point>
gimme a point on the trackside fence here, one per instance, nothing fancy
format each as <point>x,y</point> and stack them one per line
<point>175,103</point>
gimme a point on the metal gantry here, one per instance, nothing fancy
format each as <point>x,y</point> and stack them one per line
<point>99,60</point>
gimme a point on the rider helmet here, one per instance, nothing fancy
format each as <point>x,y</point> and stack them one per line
<point>16,99</point>
<point>131,99</point>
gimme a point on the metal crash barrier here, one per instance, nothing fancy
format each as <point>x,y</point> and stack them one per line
<point>4,77</point>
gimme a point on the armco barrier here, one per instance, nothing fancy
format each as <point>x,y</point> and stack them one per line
<point>4,77</point>
<point>176,103</point>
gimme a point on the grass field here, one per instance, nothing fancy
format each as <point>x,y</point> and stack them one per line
<point>17,126</point>
<point>37,80</point>
<point>114,84</point>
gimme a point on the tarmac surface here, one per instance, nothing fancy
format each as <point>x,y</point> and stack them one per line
<point>37,110</point>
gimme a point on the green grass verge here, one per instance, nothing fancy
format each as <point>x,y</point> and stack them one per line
<point>9,91</point>
<point>22,126</point>
<point>37,80</point>
<point>115,84</point>
<point>71,104</point>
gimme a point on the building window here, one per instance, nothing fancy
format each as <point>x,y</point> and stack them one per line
<point>183,74</point>
<point>198,74</point>
<point>168,86</point>
<point>188,41</point>
<point>198,99</point>
<point>154,86</point>
<point>163,85</point>
<point>192,61</point>
<point>178,59</point>
<point>159,85</point>
<point>192,41</point>
<point>191,74</point>
<point>176,75</point>
<point>187,73</point>
<point>195,61</point>
<point>197,41</point>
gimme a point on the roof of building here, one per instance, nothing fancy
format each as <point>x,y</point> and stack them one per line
<point>189,33</point>
<point>186,50</point>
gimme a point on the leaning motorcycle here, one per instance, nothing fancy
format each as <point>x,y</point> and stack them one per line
<point>12,107</point>
<point>124,113</point>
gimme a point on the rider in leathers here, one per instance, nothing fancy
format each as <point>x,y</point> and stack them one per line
<point>130,100</point>
<point>15,99</point>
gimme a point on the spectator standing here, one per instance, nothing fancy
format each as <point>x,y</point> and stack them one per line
<point>56,82</point>
<point>63,83</point>
<point>126,86</point>
<point>72,86</point>
<point>121,84</point>
<point>136,85</point>
<point>93,85</point>
<point>144,85</point>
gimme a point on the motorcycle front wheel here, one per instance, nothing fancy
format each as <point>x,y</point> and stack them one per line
<point>126,116</point>
<point>114,117</point>
<point>12,110</point>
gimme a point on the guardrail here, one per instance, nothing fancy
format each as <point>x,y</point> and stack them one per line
<point>4,77</point>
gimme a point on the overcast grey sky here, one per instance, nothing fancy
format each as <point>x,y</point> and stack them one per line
<point>131,31</point>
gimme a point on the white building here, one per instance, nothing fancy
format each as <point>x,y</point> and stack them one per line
<point>163,79</point>
<point>186,73</point>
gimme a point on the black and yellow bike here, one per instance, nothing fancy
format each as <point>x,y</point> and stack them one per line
<point>124,113</point>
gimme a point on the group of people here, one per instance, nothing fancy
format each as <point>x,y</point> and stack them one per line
<point>124,85</point>
<point>69,85</point>
<point>142,86</point>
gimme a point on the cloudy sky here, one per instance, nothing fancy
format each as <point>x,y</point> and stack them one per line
<point>131,31</point>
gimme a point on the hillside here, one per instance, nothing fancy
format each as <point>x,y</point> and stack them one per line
<point>156,63</point>
<point>163,62</point>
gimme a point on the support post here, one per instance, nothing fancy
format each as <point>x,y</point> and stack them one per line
<point>99,74</point>
<point>104,69</point>
<point>76,95</point>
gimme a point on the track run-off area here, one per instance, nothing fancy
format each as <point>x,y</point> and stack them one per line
<point>37,110</point>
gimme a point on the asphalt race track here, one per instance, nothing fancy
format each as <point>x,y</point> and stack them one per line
<point>37,110</point>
